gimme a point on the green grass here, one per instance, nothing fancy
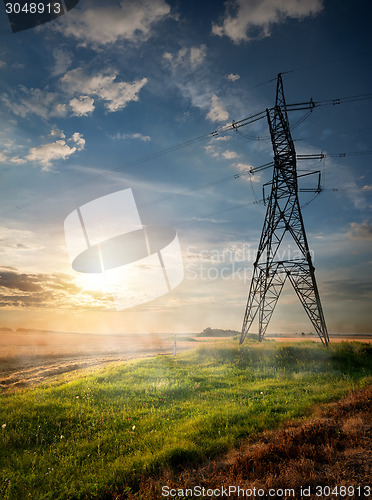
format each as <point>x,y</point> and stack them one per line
<point>83,436</point>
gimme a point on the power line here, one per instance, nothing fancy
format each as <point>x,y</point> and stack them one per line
<point>235,207</point>
<point>237,175</point>
<point>215,133</point>
<point>342,100</point>
<point>254,170</point>
<point>315,65</point>
<point>241,205</point>
<point>113,171</point>
<point>234,126</point>
<point>324,63</point>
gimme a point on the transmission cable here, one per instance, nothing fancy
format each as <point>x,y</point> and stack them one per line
<point>112,171</point>
<point>215,133</point>
<point>237,175</point>
<point>301,120</point>
<point>237,207</point>
<point>325,63</point>
<point>250,172</point>
<point>252,137</point>
<point>226,128</point>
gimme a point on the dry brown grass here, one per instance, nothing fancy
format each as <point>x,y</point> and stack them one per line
<point>331,448</point>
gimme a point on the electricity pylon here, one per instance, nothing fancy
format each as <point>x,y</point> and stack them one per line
<point>283,218</point>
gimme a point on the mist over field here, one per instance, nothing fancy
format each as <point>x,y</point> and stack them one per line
<point>29,356</point>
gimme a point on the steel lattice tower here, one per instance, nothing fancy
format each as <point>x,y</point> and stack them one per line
<point>283,218</point>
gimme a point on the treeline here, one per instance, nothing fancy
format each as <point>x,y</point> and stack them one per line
<point>27,330</point>
<point>217,332</point>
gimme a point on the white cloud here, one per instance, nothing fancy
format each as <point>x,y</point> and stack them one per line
<point>14,239</point>
<point>57,133</point>
<point>197,55</point>
<point>9,151</point>
<point>222,138</point>
<point>211,150</point>
<point>215,151</point>
<point>229,155</point>
<point>46,154</point>
<point>168,56</point>
<point>62,62</point>
<point>59,110</point>
<point>217,112</point>
<point>186,57</point>
<point>2,64</point>
<point>232,77</point>
<point>34,101</point>
<point>79,140</point>
<point>117,94</point>
<point>360,231</point>
<point>135,135</point>
<point>99,25</point>
<point>247,20</point>
<point>17,160</point>
<point>246,168</point>
<point>82,106</point>
<point>12,159</point>
<point>367,188</point>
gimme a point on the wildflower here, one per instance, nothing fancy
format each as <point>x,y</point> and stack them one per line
<point>133,427</point>
<point>62,437</point>
<point>3,426</point>
<point>77,397</point>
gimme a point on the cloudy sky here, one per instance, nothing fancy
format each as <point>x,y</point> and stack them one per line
<point>98,101</point>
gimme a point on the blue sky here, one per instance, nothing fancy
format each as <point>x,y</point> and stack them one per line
<point>86,98</point>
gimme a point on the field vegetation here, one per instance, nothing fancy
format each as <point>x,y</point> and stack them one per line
<point>100,434</point>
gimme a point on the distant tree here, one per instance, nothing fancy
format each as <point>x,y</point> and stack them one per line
<point>217,332</point>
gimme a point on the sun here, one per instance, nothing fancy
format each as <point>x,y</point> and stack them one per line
<point>92,282</point>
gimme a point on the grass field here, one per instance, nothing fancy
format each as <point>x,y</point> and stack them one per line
<point>99,434</point>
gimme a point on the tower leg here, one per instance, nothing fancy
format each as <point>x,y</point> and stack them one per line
<point>269,301</point>
<point>263,296</point>
<point>303,280</point>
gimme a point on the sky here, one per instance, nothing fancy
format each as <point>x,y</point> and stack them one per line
<point>98,101</point>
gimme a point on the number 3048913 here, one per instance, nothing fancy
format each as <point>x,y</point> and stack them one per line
<point>33,8</point>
